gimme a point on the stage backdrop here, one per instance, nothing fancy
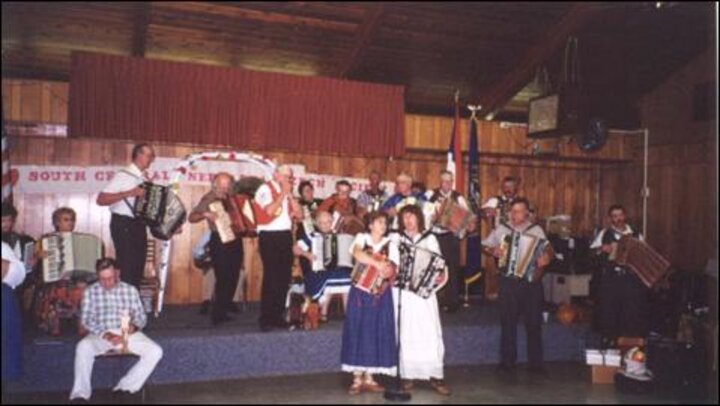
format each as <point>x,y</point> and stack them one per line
<point>136,98</point>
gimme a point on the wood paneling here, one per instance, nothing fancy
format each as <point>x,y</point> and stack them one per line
<point>569,183</point>
<point>555,187</point>
<point>680,204</point>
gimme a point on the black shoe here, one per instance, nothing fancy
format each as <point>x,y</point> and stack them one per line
<point>205,307</point>
<point>221,319</point>
<point>281,324</point>
<point>505,368</point>
<point>537,370</point>
<point>233,308</point>
<point>77,401</point>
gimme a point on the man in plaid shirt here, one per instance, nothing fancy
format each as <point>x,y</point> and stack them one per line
<point>103,306</point>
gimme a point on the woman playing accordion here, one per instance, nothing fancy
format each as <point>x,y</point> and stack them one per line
<point>368,344</point>
<point>332,276</point>
<point>421,348</point>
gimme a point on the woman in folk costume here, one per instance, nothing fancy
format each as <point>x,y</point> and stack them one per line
<point>309,205</point>
<point>320,285</point>
<point>422,350</point>
<point>368,343</point>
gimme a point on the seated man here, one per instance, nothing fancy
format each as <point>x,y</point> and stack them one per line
<point>103,306</point>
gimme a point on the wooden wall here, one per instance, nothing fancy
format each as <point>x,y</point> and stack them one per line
<point>680,202</point>
<point>570,183</point>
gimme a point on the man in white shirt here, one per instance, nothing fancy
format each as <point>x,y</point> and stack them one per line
<point>519,296</point>
<point>449,242</point>
<point>623,298</point>
<point>276,245</point>
<point>129,234</point>
<point>113,315</point>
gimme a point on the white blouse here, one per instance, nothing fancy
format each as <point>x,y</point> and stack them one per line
<point>16,273</point>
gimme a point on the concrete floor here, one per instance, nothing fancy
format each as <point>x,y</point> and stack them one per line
<point>567,383</point>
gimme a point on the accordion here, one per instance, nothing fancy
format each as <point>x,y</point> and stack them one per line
<point>348,224</point>
<point>422,271</point>
<point>454,217</point>
<point>223,223</point>
<point>161,209</point>
<point>151,206</point>
<point>331,251</point>
<point>368,278</point>
<point>242,216</point>
<point>642,260</point>
<point>519,253</point>
<point>70,255</point>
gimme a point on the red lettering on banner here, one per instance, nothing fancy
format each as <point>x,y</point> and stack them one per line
<point>192,177</point>
<point>102,176</point>
<point>80,176</point>
<point>33,176</point>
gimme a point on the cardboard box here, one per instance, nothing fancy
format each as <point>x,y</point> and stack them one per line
<point>603,375</point>
<point>594,357</point>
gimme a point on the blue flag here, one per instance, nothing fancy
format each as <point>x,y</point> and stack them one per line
<point>473,266</point>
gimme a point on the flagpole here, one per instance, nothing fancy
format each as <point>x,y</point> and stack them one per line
<point>473,118</point>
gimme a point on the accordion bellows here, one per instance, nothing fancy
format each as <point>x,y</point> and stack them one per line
<point>642,260</point>
<point>70,255</point>
<point>161,209</point>
<point>519,255</point>
<point>421,271</point>
<point>331,251</point>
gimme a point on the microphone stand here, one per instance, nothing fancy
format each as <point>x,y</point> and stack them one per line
<point>398,393</point>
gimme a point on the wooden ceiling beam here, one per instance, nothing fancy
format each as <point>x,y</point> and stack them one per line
<point>363,36</point>
<point>493,98</point>
<point>234,11</point>
<point>140,30</point>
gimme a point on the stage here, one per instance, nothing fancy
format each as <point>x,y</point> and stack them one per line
<point>194,351</point>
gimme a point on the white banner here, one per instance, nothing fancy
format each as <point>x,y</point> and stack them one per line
<point>34,179</point>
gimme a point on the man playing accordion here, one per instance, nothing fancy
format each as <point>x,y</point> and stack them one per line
<point>128,232</point>
<point>520,289</point>
<point>623,297</point>
<point>449,242</point>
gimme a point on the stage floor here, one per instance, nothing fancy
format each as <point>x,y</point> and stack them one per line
<point>196,351</point>
<point>565,383</point>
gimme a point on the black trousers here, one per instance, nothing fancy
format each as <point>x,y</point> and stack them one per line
<point>450,249</point>
<point>623,304</point>
<point>130,238</point>
<point>227,260</point>
<point>517,298</point>
<point>277,258</point>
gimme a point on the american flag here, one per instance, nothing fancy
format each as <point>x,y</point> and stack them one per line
<point>8,176</point>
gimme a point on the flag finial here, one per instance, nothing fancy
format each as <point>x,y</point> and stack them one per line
<point>474,109</point>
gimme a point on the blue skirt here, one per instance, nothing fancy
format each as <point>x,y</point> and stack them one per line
<point>11,336</point>
<point>317,282</point>
<point>368,343</point>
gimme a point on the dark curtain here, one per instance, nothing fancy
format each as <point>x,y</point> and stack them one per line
<point>131,98</point>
